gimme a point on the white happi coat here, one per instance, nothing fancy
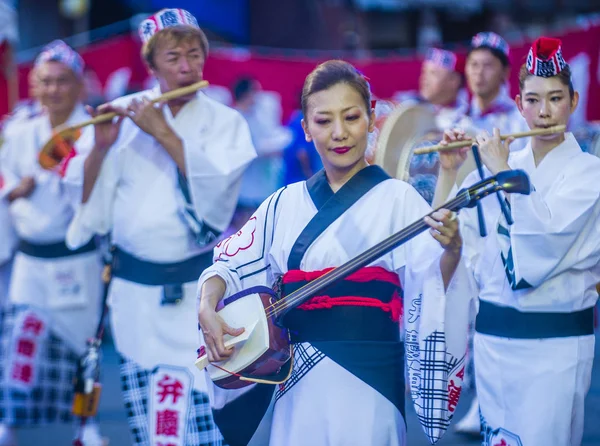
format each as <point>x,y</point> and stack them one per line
<point>330,405</point>
<point>8,236</point>
<point>531,391</point>
<point>67,289</point>
<point>137,199</point>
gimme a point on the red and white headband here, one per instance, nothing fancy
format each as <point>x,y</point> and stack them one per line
<point>59,51</point>
<point>165,18</point>
<point>446,59</point>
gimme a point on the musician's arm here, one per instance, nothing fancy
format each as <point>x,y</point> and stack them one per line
<point>212,291</point>
<point>445,186</point>
<point>173,144</point>
<point>240,262</point>
<point>96,145</point>
<point>211,324</point>
<point>91,179</point>
<point>91,171</point>
<point>151,119</point>
<point>450,163</point>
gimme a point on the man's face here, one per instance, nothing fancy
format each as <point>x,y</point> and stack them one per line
<point>178,64</point>
<point>57,87</point>
<point>438,85</point>
<point>485,73</point>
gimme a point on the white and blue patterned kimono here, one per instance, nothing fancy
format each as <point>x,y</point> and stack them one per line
<point>325,401</point>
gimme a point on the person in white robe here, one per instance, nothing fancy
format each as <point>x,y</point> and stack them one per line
<point>534,341</point>
<point>22,113</point>
<point>54,295</point>
<point>441,89</point>
<point>347,384</point>
<point>441,85</point>
<point>487,70</point>
<point>163,181</point>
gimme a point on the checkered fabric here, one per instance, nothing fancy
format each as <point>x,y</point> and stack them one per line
<point>431,396</point>
<point>305,358</point>
<point>51,398</point>
<point>201,429</point>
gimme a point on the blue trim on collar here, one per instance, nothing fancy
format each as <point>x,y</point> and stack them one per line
<point>330,209</point>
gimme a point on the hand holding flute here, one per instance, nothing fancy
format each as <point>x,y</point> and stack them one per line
<point>462,141</point>
<point>107,129</point>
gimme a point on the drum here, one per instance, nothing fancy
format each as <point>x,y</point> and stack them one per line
<point>383,109</point>
<point>407,128</point>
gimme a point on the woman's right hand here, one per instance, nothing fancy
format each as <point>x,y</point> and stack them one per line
<point>213,329</point>
<point>452,160</point>
<point>106,133</point>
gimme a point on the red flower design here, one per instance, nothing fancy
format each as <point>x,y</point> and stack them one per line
<point>240,241</point>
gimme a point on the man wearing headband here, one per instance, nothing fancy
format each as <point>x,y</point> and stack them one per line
<point>164,181</point>
<point>487,71</point>
<point>440,84</point>
<point>54,295</point>
<point>440,87</point>
<point>536,279</point>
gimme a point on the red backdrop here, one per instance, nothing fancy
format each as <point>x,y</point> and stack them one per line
<point>285,74</point>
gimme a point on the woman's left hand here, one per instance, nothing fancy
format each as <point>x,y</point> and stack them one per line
<point>494,152</point>
<point>445,229</point>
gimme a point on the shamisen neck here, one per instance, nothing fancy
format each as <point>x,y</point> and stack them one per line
<point>296,298</point>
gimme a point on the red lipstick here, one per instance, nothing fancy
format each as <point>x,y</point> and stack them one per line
<point>341,150</point>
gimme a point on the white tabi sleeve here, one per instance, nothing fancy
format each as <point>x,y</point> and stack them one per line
<point>436,323</point>
<point>243,260</point>
<point>96,215</point>
<point>215,163</point>
<point>557,232</point>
